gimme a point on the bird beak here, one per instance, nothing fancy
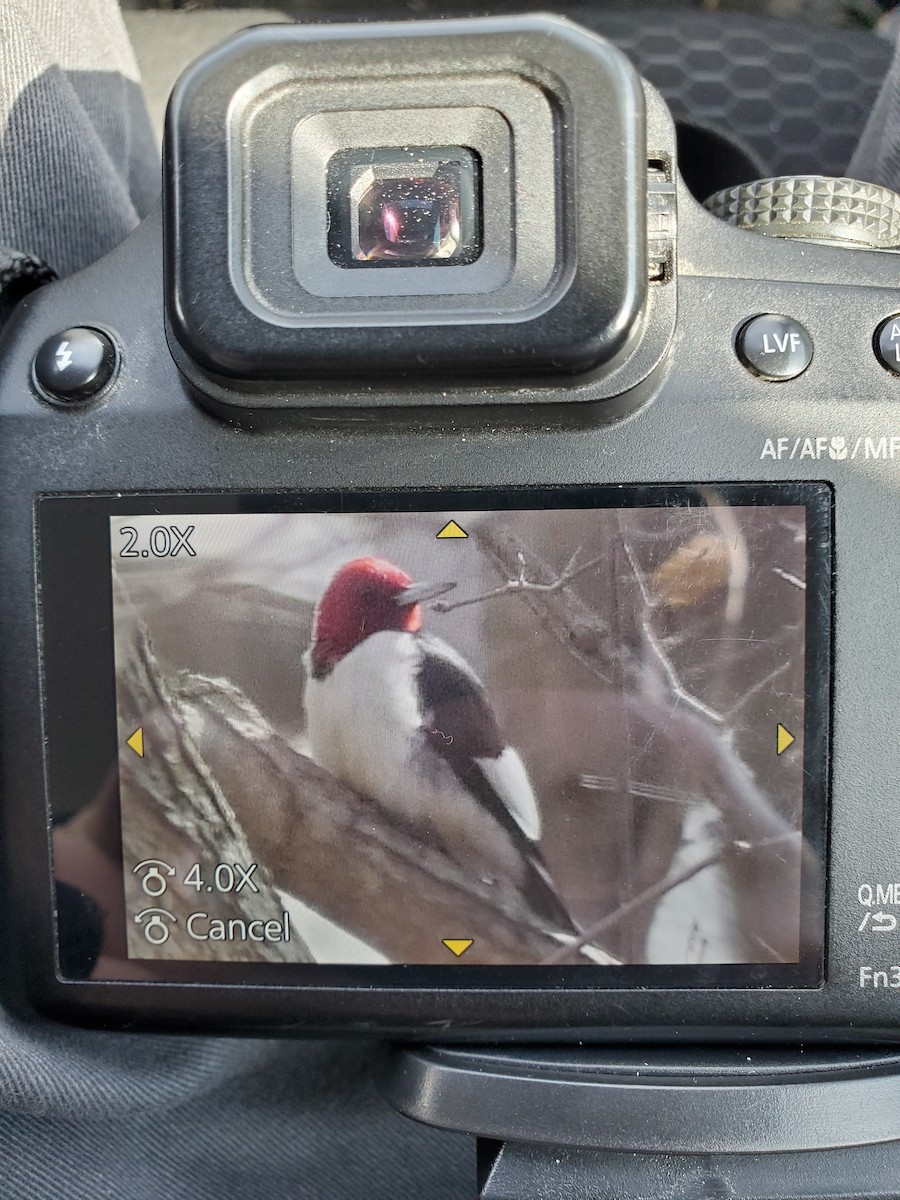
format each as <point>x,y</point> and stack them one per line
<point>416,593</point>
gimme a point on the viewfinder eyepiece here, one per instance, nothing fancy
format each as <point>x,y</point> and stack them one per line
<point>310,168</point>
<point>410,207</point>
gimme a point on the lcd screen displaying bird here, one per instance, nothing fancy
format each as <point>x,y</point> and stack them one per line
<point>401,717</point>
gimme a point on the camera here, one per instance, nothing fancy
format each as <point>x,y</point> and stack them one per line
<point>448,566</point>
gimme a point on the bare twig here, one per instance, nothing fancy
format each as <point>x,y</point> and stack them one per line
<point>770,950</point>
<point>792,579</point>
<point>755,690</point>
<point>522,584</point>
<point>662,888</point>
<point>530,588</point>
<point>560,609</point>
<point>680,691</point>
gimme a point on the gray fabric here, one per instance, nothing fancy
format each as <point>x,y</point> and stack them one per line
<point>877,157</point>
<point>78,163</point>
<point>87,1115</point>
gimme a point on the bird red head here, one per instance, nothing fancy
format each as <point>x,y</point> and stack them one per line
<point>366,596</point>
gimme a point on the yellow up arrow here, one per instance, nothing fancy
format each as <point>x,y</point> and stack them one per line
<point>458,946</point>
<point>136,741</point>
<point>783,739</point>
<point>452,530</point>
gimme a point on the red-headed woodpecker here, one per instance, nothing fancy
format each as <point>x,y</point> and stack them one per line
<point>400,717</point>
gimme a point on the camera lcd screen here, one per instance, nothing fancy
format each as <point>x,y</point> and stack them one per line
<point>547,729</point>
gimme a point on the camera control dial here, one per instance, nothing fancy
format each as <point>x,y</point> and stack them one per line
<point>843,212</point>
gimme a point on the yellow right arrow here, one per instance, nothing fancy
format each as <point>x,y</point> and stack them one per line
<point>136,741</point>
<point>783,739</point>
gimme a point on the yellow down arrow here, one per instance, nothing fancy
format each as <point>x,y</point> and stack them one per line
<point>458,946</point>
<point>783,739</point>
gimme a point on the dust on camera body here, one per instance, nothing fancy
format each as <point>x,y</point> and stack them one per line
<point>463,585</point>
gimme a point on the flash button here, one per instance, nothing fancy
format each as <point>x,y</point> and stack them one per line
<point>74,365</point>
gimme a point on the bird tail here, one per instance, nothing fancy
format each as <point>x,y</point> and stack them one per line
<point>545,900</point>
<point>561,925</point>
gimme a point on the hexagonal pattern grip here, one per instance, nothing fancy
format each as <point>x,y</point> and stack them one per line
<point>796,95</point>
<point>843,211</point>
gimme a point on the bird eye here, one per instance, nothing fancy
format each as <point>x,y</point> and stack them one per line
<point>366,592</point>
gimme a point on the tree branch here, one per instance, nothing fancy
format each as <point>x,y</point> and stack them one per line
<point>176,779</point>
<point>231,780</point>
<point>738,557</point>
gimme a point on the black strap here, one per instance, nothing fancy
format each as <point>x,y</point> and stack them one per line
<point>19,274</point>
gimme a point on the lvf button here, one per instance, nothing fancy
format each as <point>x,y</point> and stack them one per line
<point>774,347</point>
<point>887,344</point>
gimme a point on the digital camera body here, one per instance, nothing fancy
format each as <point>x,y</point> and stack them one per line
<point>455,599</point>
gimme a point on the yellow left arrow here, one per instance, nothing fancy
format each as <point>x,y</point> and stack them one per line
<point>136,741</point>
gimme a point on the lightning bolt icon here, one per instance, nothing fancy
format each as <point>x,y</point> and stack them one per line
<point>63,356</point>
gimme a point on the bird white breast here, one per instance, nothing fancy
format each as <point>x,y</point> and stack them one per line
<point>364,723</point>
<point>363,716</point>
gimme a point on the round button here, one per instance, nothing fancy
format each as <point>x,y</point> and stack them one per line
<point>775,347</point>
<point>887,344</point>
<point>75,364</point>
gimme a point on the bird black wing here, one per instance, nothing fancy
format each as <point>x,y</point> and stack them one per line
<point>460,725</point>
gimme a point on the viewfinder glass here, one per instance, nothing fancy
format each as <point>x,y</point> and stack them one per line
<point>404,207</point>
